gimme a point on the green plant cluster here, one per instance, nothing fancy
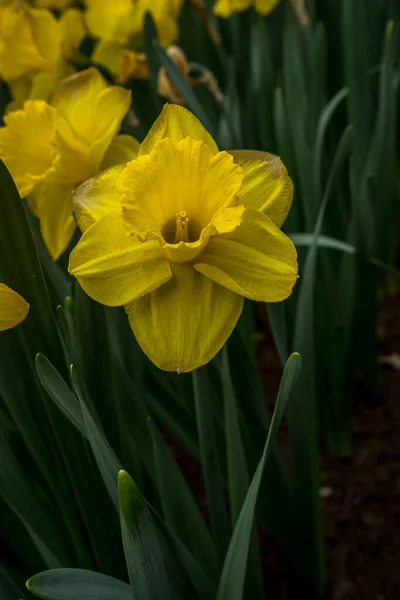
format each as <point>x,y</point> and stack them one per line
<point>93,503</point>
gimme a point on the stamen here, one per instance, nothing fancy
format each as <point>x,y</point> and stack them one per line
<point>181,229</point>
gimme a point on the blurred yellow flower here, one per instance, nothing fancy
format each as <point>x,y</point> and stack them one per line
<point>121,21</point>
<point>225,8</point>
<point>180,235</point>
<point>13,308</point>
<point>30,40</point>
<point>57,4</point>
<point>49,150</point>
<point>35,48</point>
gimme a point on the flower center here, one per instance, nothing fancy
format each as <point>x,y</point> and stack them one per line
<point>182,229</point>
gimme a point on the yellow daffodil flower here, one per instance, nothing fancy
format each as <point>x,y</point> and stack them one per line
<point>50,150</point>
<point>30,40</point>
<point>13,308</point>
<point>35,48</point>
<point>180,235</point>
<point>121,21</point>
<point>225,8</point>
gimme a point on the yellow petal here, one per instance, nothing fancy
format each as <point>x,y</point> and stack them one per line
<point>165,15</point>
<point>13,308</point>
<point>108,54</point>
<point>73,30</point>
<point>52,204</point>
<point>256,260</point>
<point>184,175</point>
<point>30,41</point>
<point>176,123</point>
<point>122,150</point>
<point>264,7</point>
<point>111,21</point>
<point>90,115</point>
<point>27,144</point>
<point>225,8</point>
<point>115,268</point>
<point>97,197</point>
<point>185,322</point>
<point>266,184</point>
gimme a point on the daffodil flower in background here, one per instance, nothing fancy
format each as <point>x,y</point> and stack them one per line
<point>51,149</point>
<point>119,28</point>
<point>181,235</point>
<point>225,8</point>
<point>13,308</point>
<point>35,48</point>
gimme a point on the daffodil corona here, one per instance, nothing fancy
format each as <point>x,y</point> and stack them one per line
<point>13,308</point>
<point>180,235</point>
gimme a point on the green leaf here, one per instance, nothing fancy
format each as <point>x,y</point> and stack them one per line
<point>59,392</point>
<point>77,584</point>
<point>141,546</point>
<point>20,269</point>
<point>234,570</point>
<point>9,589</point>
<point>324,241</point>
<point>180,509</point>
<point>106,460</point>
<point>238,478</point>
<point>210,459</point>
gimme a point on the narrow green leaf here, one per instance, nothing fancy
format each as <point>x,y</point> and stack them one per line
<point>210,459</point>
<point>77,584</point>
<point>324,241</point>
<point>238,478</point>
<point>106,460</point>
<point>9,588</point>
<point>20,269</point>
<point>141,546</point>
<point>180,509</point>
<point>232,579</point>
<point>277,322</point>
<point>59,392</point>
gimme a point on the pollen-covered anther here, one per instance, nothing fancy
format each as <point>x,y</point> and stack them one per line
<point>181,228</point>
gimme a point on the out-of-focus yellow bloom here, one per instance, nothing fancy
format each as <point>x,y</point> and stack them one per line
<point>13,308</point>
<point>180,235</point>
<point>224,8</point>
<point>57,4</point>
<point>121,21</point>
<point>35,48</point>
<point>30,41</point>
<point>49,150</point>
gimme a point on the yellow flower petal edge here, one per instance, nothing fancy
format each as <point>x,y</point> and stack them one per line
<point>97,197</point>
<point>185,322</point>
<point>13,308</point>
<point>27,144</point>
<point>225,8</point>
<point>114,267</point>
<point>264,7</point>
<point>176,123</point>
<point>122,150</point>
<point>52,204</point>
<point>256,260</point>
<point>266,184</point>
